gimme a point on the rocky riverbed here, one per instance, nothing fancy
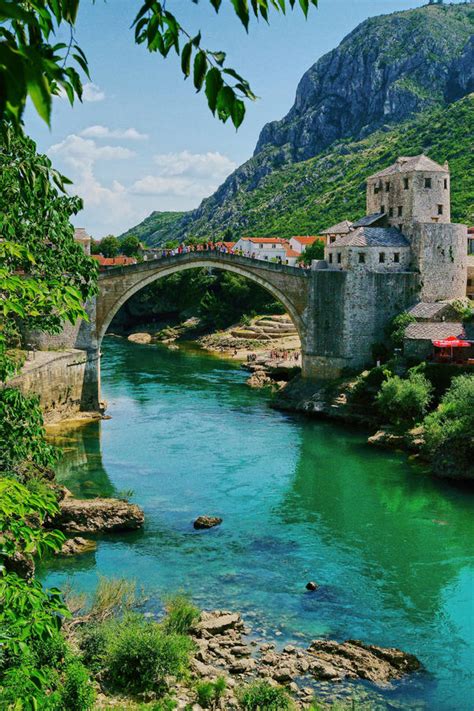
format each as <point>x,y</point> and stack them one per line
<point>226,648</point>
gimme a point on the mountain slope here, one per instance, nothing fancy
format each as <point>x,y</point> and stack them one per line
<point>156,228</point>
<point>390,69</point>
<point>305,197</point>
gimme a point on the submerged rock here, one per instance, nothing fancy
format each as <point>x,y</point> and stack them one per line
<point>76,545</point>
<point>97,515</point>
<point>207,521</point>
<point>143,338</point>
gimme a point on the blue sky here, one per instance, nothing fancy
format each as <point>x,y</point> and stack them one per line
<point>143,139</point>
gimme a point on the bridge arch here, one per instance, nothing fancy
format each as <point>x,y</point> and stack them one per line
<point>117,286</point>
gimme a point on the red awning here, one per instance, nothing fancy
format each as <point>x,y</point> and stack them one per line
<point>451,342</point>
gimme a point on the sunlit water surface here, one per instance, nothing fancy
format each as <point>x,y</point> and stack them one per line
<point>391,549</point>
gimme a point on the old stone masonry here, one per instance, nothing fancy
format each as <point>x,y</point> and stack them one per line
<point>403,252</point>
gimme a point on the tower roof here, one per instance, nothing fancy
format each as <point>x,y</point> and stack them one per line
<point>340,229</point>
<point>372,237</point>
<point>410,164</point>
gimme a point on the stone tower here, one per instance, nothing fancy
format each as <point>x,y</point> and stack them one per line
<point>413,189</point>
<point>413,194</point>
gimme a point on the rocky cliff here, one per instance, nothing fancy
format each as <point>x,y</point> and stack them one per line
<point>388,70</point>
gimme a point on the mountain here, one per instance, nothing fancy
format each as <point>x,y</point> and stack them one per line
<point>156,228</point>
<point>352,107</point>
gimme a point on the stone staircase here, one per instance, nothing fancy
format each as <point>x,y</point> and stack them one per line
<point>267,328</point>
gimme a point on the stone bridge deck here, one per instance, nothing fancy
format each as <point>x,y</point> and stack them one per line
<point>290,285</point>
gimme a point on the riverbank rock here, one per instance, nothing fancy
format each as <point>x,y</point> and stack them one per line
<point>143,338</point>
<point>77,545</point>
<point>354,659</point>
<point>222,650</point>
<point>97,515</point>
<point>207,522</point>
<point>386,438</point>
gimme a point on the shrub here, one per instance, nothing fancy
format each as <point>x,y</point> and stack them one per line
<point>209,693</point>
<point>260,696</point>
<point>404,401</point>
<point>368,384</point>
<point>76,692</point>
<point>397,328</point>
<point>135,654</point>
<point>181,614</point>
<point>449,431</point>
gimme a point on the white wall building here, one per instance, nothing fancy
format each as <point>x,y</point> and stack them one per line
<point>267,248</point>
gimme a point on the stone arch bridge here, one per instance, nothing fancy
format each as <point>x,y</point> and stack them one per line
<point>338,314</point>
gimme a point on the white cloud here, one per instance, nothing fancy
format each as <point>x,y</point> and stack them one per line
<point>208,165</point>
<point>92,93</point>
<point>81,153</point>
<point>115,202</point>
<point>98,131</point>
<point>80,156</point>
<point>185,174</point>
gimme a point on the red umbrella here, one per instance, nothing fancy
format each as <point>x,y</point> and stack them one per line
<point>451,342</point>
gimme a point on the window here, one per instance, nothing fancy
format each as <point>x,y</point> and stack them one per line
<point>376,189</point>
<point>427,182</point>
<point>396,257</point>
<point>330,258</point>
<point>273,246</point>
<point>387,187</point>
<point>440,209</point>
<point>400,210</point>
<point>361,257</point>
<point>261,246</point>
<point>445,183</point>
<point>339,256</point>
<point>390,212</point>
<point>382,257</point>
<point>382,208</point>
<point>400,227</point>
<point>332,239</point>
<point>405,183</point>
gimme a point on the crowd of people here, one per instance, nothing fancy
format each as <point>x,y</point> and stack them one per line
<point>277,355</point>
<point>219,247</point>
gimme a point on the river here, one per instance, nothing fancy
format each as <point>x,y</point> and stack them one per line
<point>391,549</point>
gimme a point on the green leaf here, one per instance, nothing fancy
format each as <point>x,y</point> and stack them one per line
<point>200,67</point>
<point>214,83</point>
<point>186,58</point>
<point>242,11</point>
<point>225,102</point>
<point>238,112</point>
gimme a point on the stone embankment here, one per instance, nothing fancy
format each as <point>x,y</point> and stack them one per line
<point>226,649</point>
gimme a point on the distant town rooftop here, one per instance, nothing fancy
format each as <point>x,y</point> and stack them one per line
<point>266,240</point>
<point>409,164</point>
<point>306,240</point>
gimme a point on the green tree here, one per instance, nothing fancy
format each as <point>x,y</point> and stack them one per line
<point>449,431</point>
<point>31,65</point>
<point>130,246</point>
<point>45,277</point>
<point>313,251</point>
<point>109,246</point>
<point>404,401</point>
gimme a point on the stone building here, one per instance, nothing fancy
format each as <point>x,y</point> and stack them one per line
<point>413,189</point>
<point>407,228</point>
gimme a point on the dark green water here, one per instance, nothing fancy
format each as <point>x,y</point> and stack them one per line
<point>392,549</point>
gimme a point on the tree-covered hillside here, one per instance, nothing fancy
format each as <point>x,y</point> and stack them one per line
<point>155,229</point>
<point>305,197</point>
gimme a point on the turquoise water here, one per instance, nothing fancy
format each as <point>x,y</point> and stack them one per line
<point>391,549</point>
